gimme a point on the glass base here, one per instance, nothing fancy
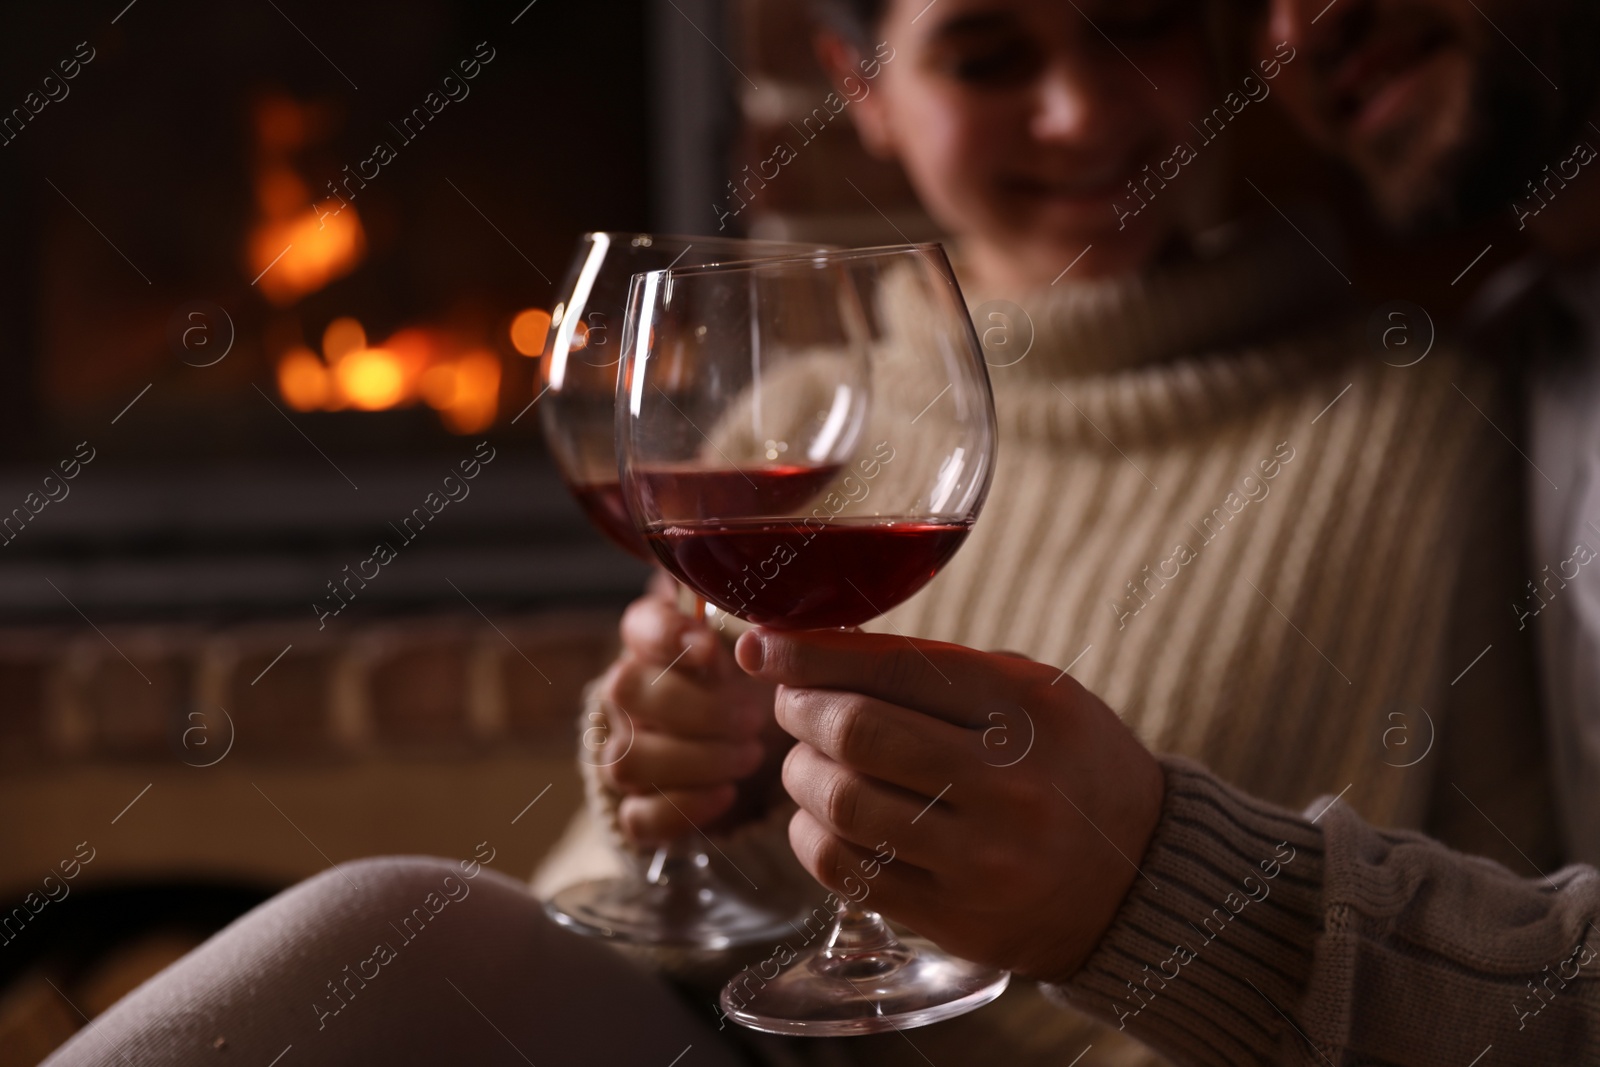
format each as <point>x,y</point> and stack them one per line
<point>908,982</point>
<point>677,902</point>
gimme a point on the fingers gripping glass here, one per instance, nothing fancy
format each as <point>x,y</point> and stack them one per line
<point>672,897</point>
<point>805,442</point>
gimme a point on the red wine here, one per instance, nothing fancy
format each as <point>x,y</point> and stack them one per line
<point>682,494</point>
<point>603,503</point>
<point>804,574</point>
<point>693,493</point>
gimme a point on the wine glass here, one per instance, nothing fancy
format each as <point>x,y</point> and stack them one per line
<point>672,897</point>
<point>805,441</point>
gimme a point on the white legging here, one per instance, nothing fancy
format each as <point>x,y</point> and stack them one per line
<point>400,960</point>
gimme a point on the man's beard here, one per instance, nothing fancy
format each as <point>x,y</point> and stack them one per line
<point>1516,123</point>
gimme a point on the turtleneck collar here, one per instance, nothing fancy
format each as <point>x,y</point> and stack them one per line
<point>1244,284</point>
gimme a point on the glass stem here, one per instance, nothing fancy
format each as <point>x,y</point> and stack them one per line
<point>860,945</point>
<point>677,862</point>
<point>683,860</point>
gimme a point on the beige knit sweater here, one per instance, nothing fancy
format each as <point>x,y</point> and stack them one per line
<point>1269,550</point>
<point>1268,937</point>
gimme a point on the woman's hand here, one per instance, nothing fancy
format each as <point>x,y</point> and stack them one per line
<point>1015,802</point>
<point>690,736</point>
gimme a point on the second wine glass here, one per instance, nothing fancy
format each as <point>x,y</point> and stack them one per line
<point>670,896</point>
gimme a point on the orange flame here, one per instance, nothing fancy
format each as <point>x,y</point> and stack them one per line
<point>295,247</point>
<point>529,330</point>
<point>303,380</point>
<point>414,364</point>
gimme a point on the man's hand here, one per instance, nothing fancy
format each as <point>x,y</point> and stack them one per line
<point>701,729</point>
<point>1016,803</point>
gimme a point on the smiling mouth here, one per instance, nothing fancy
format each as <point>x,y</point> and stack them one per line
<point>1363,86</point>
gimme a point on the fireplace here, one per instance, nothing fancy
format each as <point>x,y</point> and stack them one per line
<point>286,575</point>
<point>281,269</point>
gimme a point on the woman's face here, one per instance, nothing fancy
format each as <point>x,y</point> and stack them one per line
<point>1021,123</point>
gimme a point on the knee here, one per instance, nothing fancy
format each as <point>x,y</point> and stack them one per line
<point>377,874</point>
<point>385,885</point>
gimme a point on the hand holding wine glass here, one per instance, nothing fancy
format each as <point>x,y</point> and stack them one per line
<point>705,728</point>
<point>805,442</point>
<point>1018,803</point>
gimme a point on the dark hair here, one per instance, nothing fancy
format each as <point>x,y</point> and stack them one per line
<point>857,20</point>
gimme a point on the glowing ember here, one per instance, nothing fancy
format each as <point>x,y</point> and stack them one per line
<point>370,379</point>
<point>529,330</point>
<point>309,253</point>
<point>466,392</point>
<point>343,336</point>
<point>416,363</point>
<point>295,246</point>
<point>303,380</point>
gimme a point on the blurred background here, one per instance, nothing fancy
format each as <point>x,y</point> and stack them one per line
<point>263,340</point>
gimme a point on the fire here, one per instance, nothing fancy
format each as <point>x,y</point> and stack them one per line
<point>529,330</point>
<point>370,379</point>
<point>414,364</point>
<point>303,380</point>
<point>342,336</point>
<point>465,392</point>
<point>296,246</point>
<point>297,256</point>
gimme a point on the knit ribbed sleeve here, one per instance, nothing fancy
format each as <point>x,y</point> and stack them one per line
<point>1255,936</point>
<point>1223,919</point>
